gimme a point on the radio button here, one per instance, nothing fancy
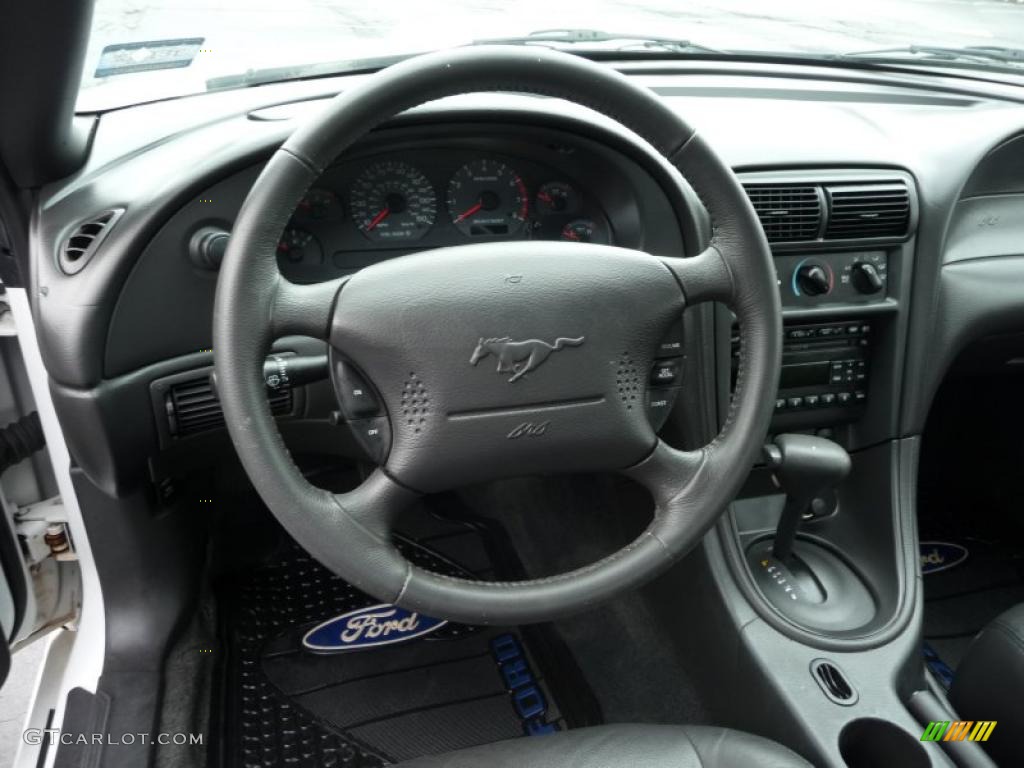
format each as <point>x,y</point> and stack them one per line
<point>844,398</point>
<point>796,402</point>
<point>828,398</point>
<point>780,404</point>
<point>811,401</point>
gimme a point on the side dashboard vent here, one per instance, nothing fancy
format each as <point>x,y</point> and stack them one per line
<point>192,406</point>
<point>85,240</point>
<point>788,212</point>
<point>867,210</point>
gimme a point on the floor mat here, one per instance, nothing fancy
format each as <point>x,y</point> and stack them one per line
<point>444,691</point>
<point>961,600</point>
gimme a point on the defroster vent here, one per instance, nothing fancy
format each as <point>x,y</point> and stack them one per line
<point>788,212</point>
<point>192,406</point>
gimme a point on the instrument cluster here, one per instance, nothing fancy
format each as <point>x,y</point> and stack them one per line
<point>374,208</point>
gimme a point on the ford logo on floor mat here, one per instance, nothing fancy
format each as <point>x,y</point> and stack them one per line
<point>369,627</point>
<point>940,556</point>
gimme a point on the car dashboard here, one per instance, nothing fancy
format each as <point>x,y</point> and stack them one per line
<point>416,196</point>
<point>854,186</point>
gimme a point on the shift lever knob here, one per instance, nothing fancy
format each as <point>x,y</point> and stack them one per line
<point>805,467</point>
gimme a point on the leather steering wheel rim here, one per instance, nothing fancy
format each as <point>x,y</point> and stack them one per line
<point>351,533</point>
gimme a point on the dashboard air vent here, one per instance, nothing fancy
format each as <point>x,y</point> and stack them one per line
<point>192,406</point>
<point>833,682</point>
<point>788,212</point>
<point>867,210</point>
<point>86,238</point>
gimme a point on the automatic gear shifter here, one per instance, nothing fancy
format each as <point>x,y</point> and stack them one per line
<point>808,580</point>
<point>805,468</point>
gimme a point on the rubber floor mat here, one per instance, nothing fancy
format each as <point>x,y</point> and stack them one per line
<point>285,705</point>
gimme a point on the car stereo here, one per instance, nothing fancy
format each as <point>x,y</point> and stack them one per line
<point>824,368</point>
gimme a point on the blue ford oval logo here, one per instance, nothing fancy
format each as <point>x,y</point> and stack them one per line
<point>369,627</point>
<point>941,556</point>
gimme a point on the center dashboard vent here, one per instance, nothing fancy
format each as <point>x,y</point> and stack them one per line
<point>867,210</point>
<point>813,211</point>
<point>192,406</point>
<point>788,212</point>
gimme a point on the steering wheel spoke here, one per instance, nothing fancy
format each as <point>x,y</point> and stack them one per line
<point>704,277</point>
<point>305,310</point>
<point>667,473</point>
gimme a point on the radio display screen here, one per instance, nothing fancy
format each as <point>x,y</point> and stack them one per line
<point>804,375</point>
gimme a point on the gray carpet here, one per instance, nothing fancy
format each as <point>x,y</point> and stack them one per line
<point>624,648</point>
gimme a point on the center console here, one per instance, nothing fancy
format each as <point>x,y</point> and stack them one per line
<point>818,553</point>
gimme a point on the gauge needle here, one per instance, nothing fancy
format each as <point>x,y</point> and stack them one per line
<point>545,197</point>
<point>467,213</point>
<point>378,219</point>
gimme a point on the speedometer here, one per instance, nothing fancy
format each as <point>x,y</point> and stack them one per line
<point>392,200</point>
<point>486,197</point>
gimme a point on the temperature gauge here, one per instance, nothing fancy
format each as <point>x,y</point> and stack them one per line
<point>555,197</point>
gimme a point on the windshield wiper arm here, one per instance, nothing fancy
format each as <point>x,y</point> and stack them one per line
<point>586,36</point>
<point>984,54</point>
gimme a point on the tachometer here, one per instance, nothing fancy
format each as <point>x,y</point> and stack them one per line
<point>486,197</point>
<point>392,200</point>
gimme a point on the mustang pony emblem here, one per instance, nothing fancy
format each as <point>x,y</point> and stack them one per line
<point>519,357</point>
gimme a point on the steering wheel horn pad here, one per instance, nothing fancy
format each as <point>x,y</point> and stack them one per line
<point>533,356</point>
<point>499,359</point>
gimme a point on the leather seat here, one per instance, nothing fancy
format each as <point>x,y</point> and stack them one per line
<point>989,681</point>
<point>615,746</point>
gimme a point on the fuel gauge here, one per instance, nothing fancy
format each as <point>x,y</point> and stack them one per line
<point>583,231</point>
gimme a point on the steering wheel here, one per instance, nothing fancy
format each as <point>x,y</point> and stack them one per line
<point>499,359</point>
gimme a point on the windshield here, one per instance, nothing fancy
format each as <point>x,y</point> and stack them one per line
<point>141,50</point>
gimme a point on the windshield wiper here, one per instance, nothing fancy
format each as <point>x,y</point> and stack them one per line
<point>977,54</point>
<point>569,37</point>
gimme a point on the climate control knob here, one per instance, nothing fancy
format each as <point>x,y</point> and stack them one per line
<point>865,277</point>
<point>813,279</point>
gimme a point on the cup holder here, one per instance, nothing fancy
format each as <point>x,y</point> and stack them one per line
<point>869,742</point>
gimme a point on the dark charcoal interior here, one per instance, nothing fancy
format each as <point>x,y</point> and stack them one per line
<point>727,420</point>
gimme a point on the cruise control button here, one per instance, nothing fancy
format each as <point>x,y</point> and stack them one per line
<point>357,399</point>
<point>374,435</point>
<point>672,344</point>
<point>659,405</point>
<point>666,372</point>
